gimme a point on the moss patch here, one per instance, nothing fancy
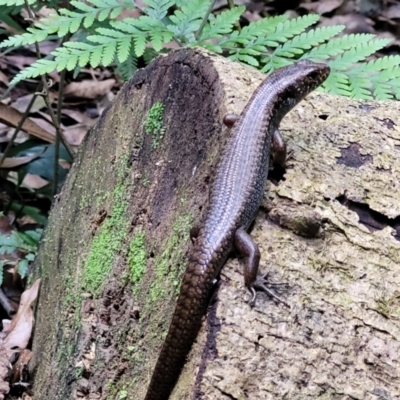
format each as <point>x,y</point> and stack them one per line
<point>154,123</point>
<point>108,242</point>
<point>137,259</point>
<point>169,264</point>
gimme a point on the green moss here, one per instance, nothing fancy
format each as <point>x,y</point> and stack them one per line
<point>137,259</point>
<point>108,242</point>
<point>154,123</point>
<point>169,264</point>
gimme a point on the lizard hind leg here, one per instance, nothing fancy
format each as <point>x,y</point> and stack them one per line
<point>248,248</point>
<point>194,232</point>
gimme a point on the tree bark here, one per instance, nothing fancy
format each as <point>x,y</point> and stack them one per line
<point>115,248</point>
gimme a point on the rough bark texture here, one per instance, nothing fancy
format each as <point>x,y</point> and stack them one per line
<point>114,250</point>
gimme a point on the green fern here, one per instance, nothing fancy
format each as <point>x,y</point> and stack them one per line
<point>16,3</point>
<point>128,67</point>
<point>267,44</point>
<point>68,21</point>
<point>188,19</point>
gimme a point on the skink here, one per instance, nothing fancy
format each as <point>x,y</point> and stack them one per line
<point>235,196</point>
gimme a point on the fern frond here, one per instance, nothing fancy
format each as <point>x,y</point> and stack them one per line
<point>33,35</point>
<point>269,43</point>
<point>144,29</point>
<point>149,55</point>
<point>6,14</point>
<point>358,53</point>
<point>124,49</point>
<point>252,32</point>
<point>359,88</point>
<point>289,28</point>
<point>11,3</point>
<point>40,67</point>
<point>377,79</point>
<point>67,21</point>
<point>306,41</point>
<point>337,83</point>
<point>187,20</point>
<point>338,46</point>
<point>221,24</point>
<point>106,45</point>
<point>261,40</point>
<point>128,67</point>
<point>158,8</point>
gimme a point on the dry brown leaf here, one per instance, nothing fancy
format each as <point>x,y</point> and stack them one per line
<point>75,133</point>
<point>44,123</point>
<point>392,12</point>
<point>6,134</point>
<point>89,89</point>
<point>4,79</point>
<point>135,13</point>
<point>323,7</point>
<point>20,329</point>
<point>19,61</point>
<point>11,117</point>
<point>34,181</point>
<point>5,225</point>
<point>354,23</point>
<point>45,47</point>
<point>12,162</point>
<point>20,365</point>
<point>79,116</point>
<point>9,28</point>
<point>22,103</point>
<point>5,368</point>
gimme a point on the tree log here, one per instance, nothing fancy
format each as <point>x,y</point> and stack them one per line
<point>115,248</point>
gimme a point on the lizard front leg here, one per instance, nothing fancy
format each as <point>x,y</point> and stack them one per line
<point>248,248</point>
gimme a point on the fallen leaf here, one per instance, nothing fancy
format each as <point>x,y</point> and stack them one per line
<point>79,116</point>
<point>4,78</point>
<point>75,133</point>
<point>11,117</point>
<point>34,181</point>
<point>392,12</point>
<point>20,365</point>
<point>45,47</point>
<point>5,368</point>
<point>12,162</point>
<point>354,23</point>
<point>44,123</point>
<point>89,89</point>
<point>19,61</point>
<point>323,7</point>
<point>22,103</point>
<point>20,329</point>
<point>5,225</point>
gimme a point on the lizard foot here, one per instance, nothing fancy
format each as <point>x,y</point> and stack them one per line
<point>260,284</point>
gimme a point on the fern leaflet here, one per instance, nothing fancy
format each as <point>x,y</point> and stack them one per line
<point>221,24</point>
<point>187,20</point>
<point>68,21</point>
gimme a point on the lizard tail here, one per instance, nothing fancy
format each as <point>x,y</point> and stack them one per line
<point>192,301</point>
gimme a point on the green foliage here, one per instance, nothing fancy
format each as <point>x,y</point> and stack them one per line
<point>42,165</point>
<point>107,242</point>
<point>137,259</point>
<point>154,123</point>
<point>267,44</point>
<point>24,242</point>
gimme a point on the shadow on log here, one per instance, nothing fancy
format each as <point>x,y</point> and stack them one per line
<point>115,248</point>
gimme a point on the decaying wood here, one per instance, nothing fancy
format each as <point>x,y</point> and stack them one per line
<point>327,233</point>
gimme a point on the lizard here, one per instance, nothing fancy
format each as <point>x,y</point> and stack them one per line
<point>235,196</point>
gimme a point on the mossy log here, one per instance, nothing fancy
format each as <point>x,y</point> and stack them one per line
<point>115,248</point>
